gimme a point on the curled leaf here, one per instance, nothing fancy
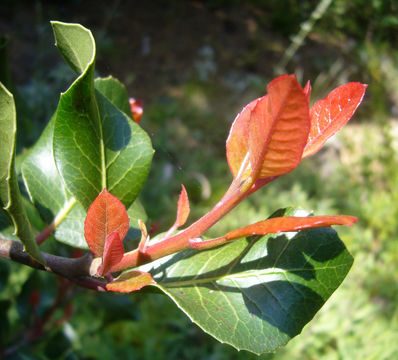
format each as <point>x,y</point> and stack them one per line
<point>106,215</point>
<point>330,114</point>
<point>131,281</point>
<point>113,253</point>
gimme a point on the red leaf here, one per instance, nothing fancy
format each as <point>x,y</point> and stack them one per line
<point>131,281</point>
<point>279,127</point>
<point>237,142</point>
<point>329,115</point>
<point>182,208</point>
<point>137,109</point>
<point>113,253</point>
<point>270,133</point>
<point>106,215</point>
<point>290,223</point>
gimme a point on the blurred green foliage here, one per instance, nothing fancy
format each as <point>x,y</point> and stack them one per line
<point>356,174</point>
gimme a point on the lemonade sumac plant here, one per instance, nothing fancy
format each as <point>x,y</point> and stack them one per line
<point>254,287</point>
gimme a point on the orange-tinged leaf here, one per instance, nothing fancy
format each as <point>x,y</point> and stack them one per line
<point>278,128</point>
<point>131,281</point>
<point>106,215</point>
<point>237,142</point>
<point>182,208</point>
<point>290,223</point>
<point>330,114</point>
<point>113,253</point>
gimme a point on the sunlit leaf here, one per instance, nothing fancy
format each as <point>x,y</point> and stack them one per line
<point>106,215</point>
<point>256,293</point>
<point>279,127</point>
<point>269,135</point>
<point>113,253</point>
<point>182,208</point>
<point>329,115</point>
<point>237,142</point>
<point>290,223</point>
<point>131,281</point>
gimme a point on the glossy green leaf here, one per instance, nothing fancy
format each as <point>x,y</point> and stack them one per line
<point>95,144</point>
<point>10,196</point>
<point>54,202</point>
<point>258,292</point>
<point>115,92</point>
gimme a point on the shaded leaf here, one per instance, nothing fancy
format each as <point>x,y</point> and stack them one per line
<point>130,281</point>
<point>115,92</point>
<point>279,126</point>
<point>10,196</point>
<point>106,215</point>
<point>113,253</point>
<point>256,293</point>
<point>329,115</point>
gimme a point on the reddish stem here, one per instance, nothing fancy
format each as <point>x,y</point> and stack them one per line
<point>180,241</point>
<point>45,234</point>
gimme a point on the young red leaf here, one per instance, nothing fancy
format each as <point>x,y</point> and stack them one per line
<point>274,226</point>
<point>137,109</point>
<point>182,212</point>
<point>329,115</point>
<point>182,208</point>
<point>131,281</point>
<point>113,253</point>
<point>279,127</point>
<point>290,223</point>
<point>106,215</point>
<point>237,142</point>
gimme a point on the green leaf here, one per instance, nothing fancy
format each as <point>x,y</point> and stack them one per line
<point>10,196</point>
<point>52,199</point>
<point>115,92</point>
<point>96,145</point>
<point>256,293</point>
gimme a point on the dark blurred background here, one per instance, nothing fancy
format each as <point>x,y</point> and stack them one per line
<point>195,64</point>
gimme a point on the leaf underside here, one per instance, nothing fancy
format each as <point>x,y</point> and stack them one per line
<point>130,281</point>
<point>258,292</point>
